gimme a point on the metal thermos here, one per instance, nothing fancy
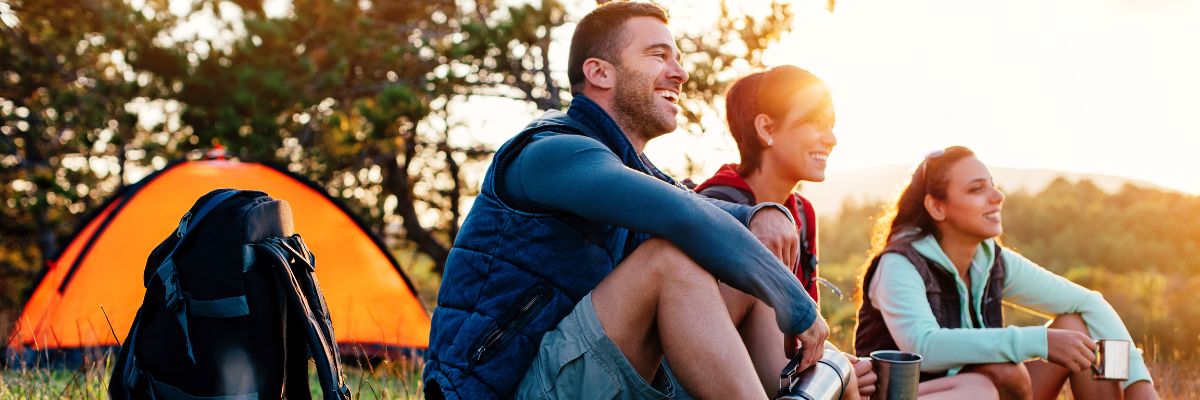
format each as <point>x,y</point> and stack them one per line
<point>825,380</point>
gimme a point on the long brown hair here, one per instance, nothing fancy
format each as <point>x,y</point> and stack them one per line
<point>906,219</point>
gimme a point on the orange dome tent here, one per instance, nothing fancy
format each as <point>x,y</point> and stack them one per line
<point>373,305</point>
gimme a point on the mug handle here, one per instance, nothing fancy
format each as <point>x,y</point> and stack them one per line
<point>1095,367</point>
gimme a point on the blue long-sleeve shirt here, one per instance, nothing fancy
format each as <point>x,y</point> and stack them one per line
<point>578,175</point>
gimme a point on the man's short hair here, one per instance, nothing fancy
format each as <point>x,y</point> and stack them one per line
<point>601,34</point>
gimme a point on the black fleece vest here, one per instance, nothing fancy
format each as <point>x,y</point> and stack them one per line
<point>872,333</point>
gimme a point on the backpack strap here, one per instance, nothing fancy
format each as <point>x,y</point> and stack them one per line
<point>808,240</point>
<point>294,266</point>
<point>175,299</point>
<point>728,193</point>
<point>807,214</point>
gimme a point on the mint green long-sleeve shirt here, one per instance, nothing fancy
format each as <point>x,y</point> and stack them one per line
<point>899,293</point>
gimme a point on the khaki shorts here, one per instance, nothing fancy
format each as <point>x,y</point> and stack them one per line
<point>578,361</point>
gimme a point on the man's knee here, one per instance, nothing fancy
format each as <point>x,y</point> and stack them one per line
<point>660,248</point>
<point>671,263</point>
<point>1009,378</point>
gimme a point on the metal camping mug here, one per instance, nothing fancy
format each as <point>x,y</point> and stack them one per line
<point>1112,359</point>
<point>898,374</point>
<point>826,380</point>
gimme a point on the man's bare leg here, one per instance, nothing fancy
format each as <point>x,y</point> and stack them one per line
<point>658,301</point>
<point>756,324</point>
<point>1048,378</point>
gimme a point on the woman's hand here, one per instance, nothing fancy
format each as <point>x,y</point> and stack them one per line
<point>864,374</point>
<point>1070,349</point>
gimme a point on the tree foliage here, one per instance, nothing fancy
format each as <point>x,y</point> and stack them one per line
<point>64,119</point>
<point>362,96</point>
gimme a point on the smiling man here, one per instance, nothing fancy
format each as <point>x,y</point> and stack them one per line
<point>581,266</point>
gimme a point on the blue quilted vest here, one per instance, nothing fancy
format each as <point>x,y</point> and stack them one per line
<point>512,274</point>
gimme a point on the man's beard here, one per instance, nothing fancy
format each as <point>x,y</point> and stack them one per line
<point>637,110</point>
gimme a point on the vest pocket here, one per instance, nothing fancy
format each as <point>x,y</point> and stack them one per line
<point>526,307</point>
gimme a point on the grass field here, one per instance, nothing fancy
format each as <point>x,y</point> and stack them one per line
<point>401,380</point>
<point>386,380</point>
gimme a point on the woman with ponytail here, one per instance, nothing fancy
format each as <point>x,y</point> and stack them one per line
<point>782,120</point>
<point>935,283</point>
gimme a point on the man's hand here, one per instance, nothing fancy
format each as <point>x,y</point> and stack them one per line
<point>1070,349</point>
<point>811,342</point>
<point>776,231</point>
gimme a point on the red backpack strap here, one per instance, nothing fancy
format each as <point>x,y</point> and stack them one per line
<point>806,266</point>
<point>809,216</point>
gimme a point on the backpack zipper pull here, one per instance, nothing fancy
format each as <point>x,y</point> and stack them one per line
<point>183,225</point>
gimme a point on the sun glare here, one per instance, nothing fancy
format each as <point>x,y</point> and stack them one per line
<point>1097,87</point>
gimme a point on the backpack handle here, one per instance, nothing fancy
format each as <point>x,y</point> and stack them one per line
<point>190,220</point>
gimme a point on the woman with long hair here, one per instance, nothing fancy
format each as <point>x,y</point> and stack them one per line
<point>782,120</point>
<point>935,283</point>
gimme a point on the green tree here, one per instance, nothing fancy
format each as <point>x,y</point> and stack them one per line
<point>65,86</point>
<point>357,95</point>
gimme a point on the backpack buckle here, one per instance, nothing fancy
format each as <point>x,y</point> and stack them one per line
<point>170,281</point>
<point>174,296</point>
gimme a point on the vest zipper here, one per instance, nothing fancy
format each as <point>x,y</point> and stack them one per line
<point>497,335</point>
<point>983,303</point>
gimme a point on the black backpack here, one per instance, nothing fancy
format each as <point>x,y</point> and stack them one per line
<point>232,310</point>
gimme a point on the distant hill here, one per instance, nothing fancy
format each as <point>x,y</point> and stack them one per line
<point>883,183</point>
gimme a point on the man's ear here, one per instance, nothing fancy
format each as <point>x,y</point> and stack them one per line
<point>762,127</point>
<point>936,208</point>
<point>599,73</point>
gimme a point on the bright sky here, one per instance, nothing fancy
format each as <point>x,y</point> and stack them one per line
<point>1110,87</point>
